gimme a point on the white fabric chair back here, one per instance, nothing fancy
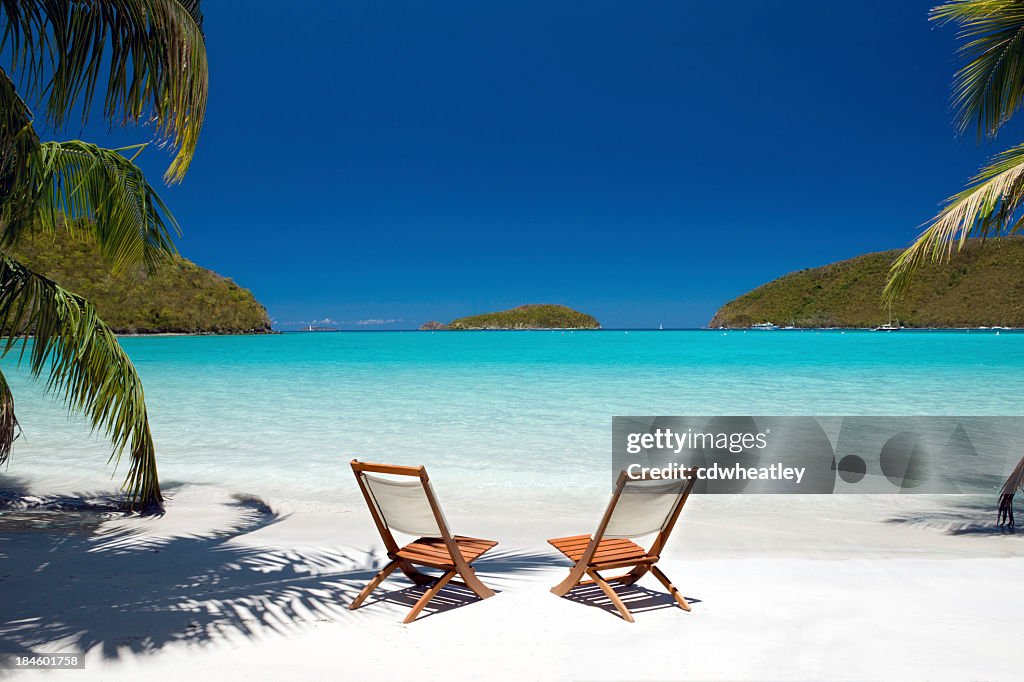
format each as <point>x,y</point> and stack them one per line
<point>403,505</point>
<point>644,507</point>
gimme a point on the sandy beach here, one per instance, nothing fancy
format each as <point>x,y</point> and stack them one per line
<point>782,588</point>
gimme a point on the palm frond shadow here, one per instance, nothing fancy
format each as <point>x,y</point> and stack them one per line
<point>67,579</point>
<point>975,517</point>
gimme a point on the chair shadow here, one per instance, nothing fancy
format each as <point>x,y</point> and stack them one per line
<point>449,598</point>
<point>638,599</point>
<point>496,568</point>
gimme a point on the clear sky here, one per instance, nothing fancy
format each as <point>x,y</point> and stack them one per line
<point>643,161</point>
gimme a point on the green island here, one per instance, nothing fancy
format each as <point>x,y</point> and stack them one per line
<point>532,316</point>
<point>982,285</point>
<point>178,297</point>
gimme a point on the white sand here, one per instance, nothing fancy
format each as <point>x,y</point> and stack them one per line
<point>783,588</point>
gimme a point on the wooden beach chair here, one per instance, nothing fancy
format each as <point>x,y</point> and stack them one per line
<point>410,507</point>
<point>638,508</point>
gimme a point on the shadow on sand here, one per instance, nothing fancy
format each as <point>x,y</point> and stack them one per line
<point>637,598</point>
<point>961,516</point>
<point>496,569</point>
<point>73,579</point>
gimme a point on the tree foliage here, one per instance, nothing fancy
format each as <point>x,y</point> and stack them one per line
<point>987,91</point>
<point>145,61</point>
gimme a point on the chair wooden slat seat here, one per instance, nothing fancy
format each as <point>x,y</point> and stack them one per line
<point>435,550</point>
<point>410,507</point>
<point>614,550</point>
<point>637,517</point>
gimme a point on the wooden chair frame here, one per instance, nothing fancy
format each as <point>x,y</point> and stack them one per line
<point>595,558</point>
<point>447,556</point>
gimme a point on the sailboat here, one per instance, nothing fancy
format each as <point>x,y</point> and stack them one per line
<point>661,327</point>
<point>888,326</point>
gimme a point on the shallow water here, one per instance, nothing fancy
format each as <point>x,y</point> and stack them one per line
<point>492,411</point>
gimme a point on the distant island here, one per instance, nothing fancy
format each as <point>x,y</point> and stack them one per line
<point>981,286</point>
<point>533,316</point>
<point>179,297</point>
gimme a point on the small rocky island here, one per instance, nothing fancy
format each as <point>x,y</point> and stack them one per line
<point>533,316</point>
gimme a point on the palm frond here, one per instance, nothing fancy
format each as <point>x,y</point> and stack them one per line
<point>989,88</point>
<point>83,184</point>
<point>9,428</point>
<point>1015,481</point>
<point>151,52</point>
<point>87,187</point>
<point>85,365</point>
<point>985,208</point>
<point>18,146</point>
<point>101,190</point>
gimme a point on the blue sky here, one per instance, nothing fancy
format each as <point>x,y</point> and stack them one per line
<point>642,161</point>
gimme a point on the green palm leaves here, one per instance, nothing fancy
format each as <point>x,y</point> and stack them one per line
<point>989,88</point>
<point>85,364</point>
<point>81,180</point>
<point>149,56</point>
<point>146,61</point>
<point>987,91</point>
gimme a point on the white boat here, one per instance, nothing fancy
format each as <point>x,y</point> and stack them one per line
<point>888,326</point>
<point>763,326</point>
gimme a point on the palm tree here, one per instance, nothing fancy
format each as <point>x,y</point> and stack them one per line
<point>987,91</point>
<point>147,59</point>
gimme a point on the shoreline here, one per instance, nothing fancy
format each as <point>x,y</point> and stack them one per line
<point>130,335</point>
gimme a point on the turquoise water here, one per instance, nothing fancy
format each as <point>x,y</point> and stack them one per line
<point>281,415</point>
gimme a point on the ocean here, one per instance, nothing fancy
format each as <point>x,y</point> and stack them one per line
<point>281,415</point>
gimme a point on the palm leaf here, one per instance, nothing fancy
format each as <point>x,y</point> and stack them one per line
<point>89,188</point>
<point>8,422</point>
<point>986,208</point>
<point>101,190</point>
<point>1015,481</point>
<point>18,146</point>
<point>989,88</point>
<point>151,53</point>
<point>84,363</point>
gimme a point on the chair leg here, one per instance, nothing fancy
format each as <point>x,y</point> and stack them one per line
<point>372,585</point>
<point>610,593</point>
<point>663,579</point>
<point>572,580</point>
<point>428,595</point>
<point>416,576</point>
<point>634,575</point>
<point>472,582</point>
